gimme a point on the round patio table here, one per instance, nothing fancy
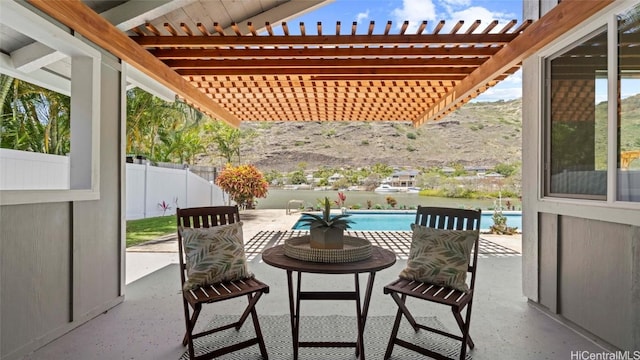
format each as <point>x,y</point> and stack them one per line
<point>380,259</point>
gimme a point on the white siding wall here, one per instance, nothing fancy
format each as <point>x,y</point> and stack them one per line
<point>61,262</point>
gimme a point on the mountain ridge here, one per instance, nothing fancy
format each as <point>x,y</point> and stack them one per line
<point>478,134</point>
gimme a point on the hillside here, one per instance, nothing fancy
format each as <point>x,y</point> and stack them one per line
<point>477,134</point>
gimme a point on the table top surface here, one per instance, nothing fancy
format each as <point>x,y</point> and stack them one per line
<point>380,259</point>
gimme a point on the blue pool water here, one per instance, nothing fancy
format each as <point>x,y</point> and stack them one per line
<point>401,221</point>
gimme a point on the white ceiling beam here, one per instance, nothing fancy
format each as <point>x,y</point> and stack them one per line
<point>35,56</point>
<point>139,79</point>
<point>42,78</point>
<point>136,12</point>
<point>28,23</point>
<point>62,67</point>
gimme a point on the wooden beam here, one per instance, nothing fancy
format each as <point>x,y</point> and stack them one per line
<point>557,22</point>
<point>362,72</point>
<point>321,63</point>
<point>417,77</point>
<point>323,40</point>
<point>322,52</point>
<point>85,21</point>
<point>213,82</point>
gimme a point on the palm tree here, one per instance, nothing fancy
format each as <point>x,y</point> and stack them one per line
<point>33,118</point>
<point>228,140</point>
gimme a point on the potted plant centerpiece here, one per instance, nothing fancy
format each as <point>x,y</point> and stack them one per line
<point>327,232</point>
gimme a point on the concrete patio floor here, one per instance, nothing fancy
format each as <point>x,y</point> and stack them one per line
<point>149,324</point>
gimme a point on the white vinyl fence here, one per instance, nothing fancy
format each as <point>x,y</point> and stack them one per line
<point>147,186</point>
<point>25,170</point>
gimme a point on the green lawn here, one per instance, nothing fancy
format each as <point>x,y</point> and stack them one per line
<point>141,230</point>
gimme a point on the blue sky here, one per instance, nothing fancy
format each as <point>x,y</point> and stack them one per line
<point>415,11</point>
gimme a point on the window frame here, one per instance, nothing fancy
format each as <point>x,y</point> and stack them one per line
<point>85,106</point>
<point>546,123</point>
<point>609,22</point>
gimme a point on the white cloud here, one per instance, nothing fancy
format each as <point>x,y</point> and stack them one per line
<point>414,11</point>
<point>471,14</point>
<point>508,89</point>
<point>457,2</point>
<point>362,16</point>
<point>496,94</point>
<point>452,11</point>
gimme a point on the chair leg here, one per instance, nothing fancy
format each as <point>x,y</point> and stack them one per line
<point>394,333</point>
<point>256,326</point>
<point>464,328</point>
<point>191,323</point>
<point>468,323</point>
<point>253,299</point>
<point>396,326</point>
<point>400,301</point>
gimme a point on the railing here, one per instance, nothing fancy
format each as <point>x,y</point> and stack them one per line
<point>294,206</point>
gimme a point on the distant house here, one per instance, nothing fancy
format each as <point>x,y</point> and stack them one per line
<point>494,175</point>
<point>477,169</point>
<point>335,177</point>
<point>403,178</point>
<point>447,170</point>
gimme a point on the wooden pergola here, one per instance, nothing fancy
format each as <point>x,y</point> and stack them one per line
<point>251,75</point>
<point>328,77</point>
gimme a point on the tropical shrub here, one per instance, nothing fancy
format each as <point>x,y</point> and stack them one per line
<point>243,183</point>
<point>391,201</point>
<point>341,183</point>
<point>297,177</point>
<point>506,169</point>
<point>164,206</point>
<point>342,198</point>
<point>500,224</point>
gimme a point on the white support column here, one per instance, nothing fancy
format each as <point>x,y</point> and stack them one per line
<point>85,115</point>
<point>123,178</point>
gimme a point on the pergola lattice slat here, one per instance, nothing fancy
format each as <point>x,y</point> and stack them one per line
<point>327,77</point>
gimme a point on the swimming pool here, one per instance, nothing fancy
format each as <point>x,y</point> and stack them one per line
<point>401,220</point>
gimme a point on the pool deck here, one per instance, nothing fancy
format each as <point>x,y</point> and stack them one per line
<point>145,258</point>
